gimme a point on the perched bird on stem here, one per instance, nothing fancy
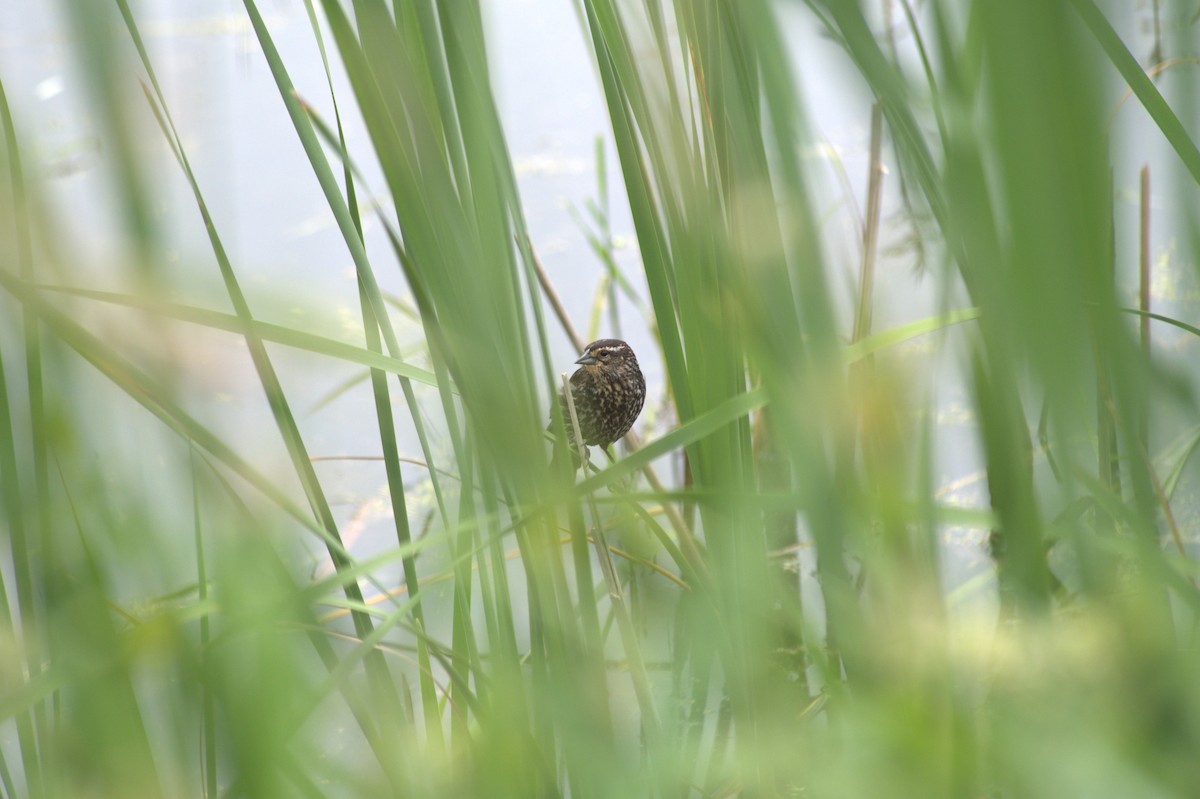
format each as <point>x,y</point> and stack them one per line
<point>608,391</point>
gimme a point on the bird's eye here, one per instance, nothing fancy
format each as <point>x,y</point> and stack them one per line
<point>602,354</point>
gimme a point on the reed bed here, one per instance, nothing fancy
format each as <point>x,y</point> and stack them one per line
<point>761,595</point>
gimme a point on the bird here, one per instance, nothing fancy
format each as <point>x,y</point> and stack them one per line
<point>608,391</point>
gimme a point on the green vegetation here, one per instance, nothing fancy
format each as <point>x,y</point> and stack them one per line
<point>777,620</point>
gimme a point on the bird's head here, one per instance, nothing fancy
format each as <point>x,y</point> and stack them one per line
<point>606,353</point>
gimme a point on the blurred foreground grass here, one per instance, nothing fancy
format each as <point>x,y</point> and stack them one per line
<point>778,617</point>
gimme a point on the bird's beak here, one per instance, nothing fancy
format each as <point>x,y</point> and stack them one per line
<point>586,360</point>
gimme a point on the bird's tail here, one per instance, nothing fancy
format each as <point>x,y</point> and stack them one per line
<point>565,459</point>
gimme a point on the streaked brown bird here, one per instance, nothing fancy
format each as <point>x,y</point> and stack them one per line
<point>608,390</point>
